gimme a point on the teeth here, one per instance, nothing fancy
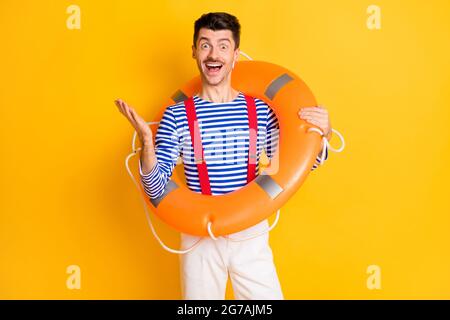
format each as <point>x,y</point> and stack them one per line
<point>213,65</point>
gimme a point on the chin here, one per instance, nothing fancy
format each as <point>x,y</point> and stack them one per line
<point>213,81</point>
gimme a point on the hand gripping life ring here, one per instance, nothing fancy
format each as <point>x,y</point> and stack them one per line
<point>285,93</point>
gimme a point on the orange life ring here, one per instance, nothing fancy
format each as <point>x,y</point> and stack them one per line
<point>192,213</point>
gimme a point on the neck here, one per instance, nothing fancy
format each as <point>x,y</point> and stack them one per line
<point>218,94</point>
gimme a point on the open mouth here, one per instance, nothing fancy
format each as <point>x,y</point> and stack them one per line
<point>213,67</point>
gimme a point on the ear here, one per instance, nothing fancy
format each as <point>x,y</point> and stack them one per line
<point>236,57</point>
<point>193,51</point>
<point>236,54</point>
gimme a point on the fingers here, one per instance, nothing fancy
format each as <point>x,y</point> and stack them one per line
<point>126,110</point>
<point>133,113</point>
<point>121,105</point>
<point>318,117</point>
<point>316,122</point>
<point>313,113</point>
<point>318,113</point>
<point>137,118</point>
<point>318,107</point>
<point>313,110</point>
<point>128,113</point>
<point>321,124</point>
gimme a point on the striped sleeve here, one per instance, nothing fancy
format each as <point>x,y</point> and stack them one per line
<point>167,149</point>
<point>317,163</point>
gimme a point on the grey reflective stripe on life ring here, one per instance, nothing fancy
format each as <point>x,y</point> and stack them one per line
<point>270,186</point>
<point>276,85</point>
<point>170,186</point>
<point>179,96</point>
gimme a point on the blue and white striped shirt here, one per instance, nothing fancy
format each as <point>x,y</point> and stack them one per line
<point>225,138</point>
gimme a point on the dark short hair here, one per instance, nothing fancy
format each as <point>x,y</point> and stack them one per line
<point>218,21</point>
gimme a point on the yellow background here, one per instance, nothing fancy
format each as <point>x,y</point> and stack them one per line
<point>66,198</point>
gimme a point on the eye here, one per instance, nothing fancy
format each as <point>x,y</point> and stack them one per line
<point>224,47</point>
<point>204,45</point>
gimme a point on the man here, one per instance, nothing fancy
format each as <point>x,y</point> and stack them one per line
<point>222,116</point>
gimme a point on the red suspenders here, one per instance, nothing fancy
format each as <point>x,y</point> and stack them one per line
<point>253,129</point>
<point>197,144</point>
<point>198,148</point>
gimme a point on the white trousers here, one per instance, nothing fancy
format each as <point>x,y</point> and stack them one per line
<point>204,270</point>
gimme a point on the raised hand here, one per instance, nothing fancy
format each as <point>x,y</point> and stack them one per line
<point>143,130</point>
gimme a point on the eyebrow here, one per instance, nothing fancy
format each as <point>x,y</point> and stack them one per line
<point>205,38</point>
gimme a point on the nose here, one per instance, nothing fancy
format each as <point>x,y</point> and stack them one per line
<point>212,55</point>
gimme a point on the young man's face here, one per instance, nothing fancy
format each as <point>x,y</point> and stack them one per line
<point>215,54</point>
